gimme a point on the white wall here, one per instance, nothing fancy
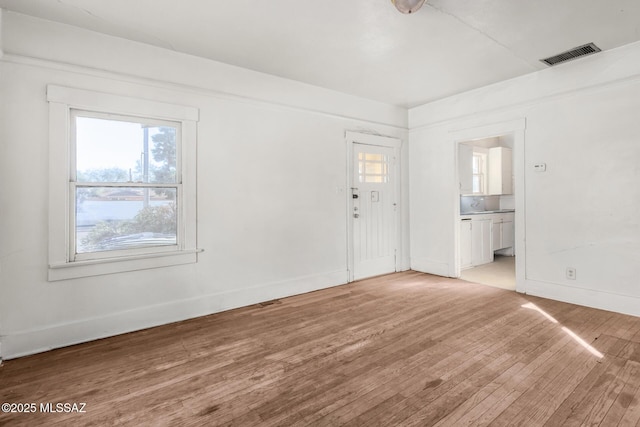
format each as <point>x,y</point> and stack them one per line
<point>582,121</point>
<point>271,186</point>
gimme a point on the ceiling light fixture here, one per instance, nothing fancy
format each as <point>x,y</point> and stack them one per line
<point>408,6</point>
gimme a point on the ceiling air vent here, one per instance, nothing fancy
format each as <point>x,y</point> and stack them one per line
<point>576,52</point>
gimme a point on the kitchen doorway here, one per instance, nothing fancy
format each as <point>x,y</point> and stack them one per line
<point>489,212</point>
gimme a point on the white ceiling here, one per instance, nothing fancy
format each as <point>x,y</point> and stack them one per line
<point>362,47</point>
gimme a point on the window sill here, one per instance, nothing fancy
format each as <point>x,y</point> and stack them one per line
<point>78,269</point>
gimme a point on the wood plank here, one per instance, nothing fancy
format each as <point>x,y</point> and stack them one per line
<point>624,394</point>
<point>575,400</point>
<point>631,417</point>
<point>592,404</point>
<point>543,398</point>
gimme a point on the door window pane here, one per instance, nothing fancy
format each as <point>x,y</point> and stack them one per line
<point>373,168</point>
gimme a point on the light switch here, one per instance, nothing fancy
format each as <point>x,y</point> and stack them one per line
<point>375,196</point>
<point>540,167</point>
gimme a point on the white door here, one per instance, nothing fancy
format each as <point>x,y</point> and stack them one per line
<point>373,210</point>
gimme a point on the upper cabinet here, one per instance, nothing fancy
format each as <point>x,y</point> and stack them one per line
<point>500,171</point>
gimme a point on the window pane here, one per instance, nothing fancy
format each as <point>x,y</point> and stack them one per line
<point>477,184</point>
<point>113,218</point>
<point>119,151</point>
<point>476,164</point>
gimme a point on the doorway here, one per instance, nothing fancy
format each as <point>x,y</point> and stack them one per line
<point>489,243</point>
<point>372,205</point>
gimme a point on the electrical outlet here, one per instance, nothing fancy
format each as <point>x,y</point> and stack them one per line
<point>571,273</point>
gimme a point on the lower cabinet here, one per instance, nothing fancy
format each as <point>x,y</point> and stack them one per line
<point>475,242</point>
<point>465,243</point>
<point>502,235</point>
<point>481,251</point>
<point>508,237</point>
<point>482,235</point>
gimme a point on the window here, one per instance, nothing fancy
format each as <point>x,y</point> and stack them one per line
<point>122,183</point>
<point>479,173</point>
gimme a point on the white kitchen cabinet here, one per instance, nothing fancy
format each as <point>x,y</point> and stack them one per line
<point>483,234</point>
<point>465,243</point>
<point>481,250</point>
<point>465,168</point>
<point>502,233</point>
<point>496,235</point>
<point>500,171</point>
<point>508,238</point>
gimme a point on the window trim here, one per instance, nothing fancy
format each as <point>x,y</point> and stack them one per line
<point>62,100</point>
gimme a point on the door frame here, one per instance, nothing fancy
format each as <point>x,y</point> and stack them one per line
<point>517,128</point>
<point>352,138</point>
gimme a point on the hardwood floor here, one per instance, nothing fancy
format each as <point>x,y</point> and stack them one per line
<point>406,349</point>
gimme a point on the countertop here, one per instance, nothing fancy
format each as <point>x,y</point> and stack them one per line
<point>488,212</point>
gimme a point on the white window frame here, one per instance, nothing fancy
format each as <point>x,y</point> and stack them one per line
<point>63,263</point>
<point>482,174</point>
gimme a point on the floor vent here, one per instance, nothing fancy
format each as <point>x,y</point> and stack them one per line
<point>576,52</point>
<point>266,303</point>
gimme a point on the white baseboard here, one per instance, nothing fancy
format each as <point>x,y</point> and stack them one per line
<point>23,343</point>
<point>425,265</point>
<point>624,304</point>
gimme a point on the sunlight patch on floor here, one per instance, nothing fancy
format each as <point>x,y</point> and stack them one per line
<point>583,343</point>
